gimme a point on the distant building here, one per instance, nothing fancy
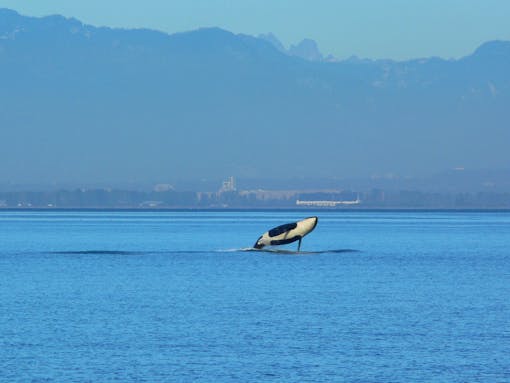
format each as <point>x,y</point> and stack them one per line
<point>327,203</point>
<point>228,185</point>
<point>163,187</point>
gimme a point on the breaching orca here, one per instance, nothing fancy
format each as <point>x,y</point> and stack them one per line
<point>288,233</point>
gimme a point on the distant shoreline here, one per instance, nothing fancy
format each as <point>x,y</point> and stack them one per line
<point>276,209</point>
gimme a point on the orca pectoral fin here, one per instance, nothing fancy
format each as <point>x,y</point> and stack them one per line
<point>299,244</point>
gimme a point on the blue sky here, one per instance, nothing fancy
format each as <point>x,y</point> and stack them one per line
<point>397,29</point>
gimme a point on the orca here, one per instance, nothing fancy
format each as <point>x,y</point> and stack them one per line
<point>287,233</point>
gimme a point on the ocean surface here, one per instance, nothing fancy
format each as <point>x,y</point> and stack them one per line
<point>177,297</point>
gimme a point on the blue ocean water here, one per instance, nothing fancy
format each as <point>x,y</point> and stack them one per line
<point>173,297</point>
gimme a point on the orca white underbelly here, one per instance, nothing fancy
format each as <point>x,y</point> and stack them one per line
<point>288,233</point>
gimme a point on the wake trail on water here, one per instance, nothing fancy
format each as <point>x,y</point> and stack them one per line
<point>98,252</point>
<point>123,252</point>
<point>171,252</point>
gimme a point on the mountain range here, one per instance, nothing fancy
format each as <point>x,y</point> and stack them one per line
<point>83,104</point>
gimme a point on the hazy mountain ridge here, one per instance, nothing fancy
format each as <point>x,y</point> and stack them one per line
<point>306,49</point>
<point>93,104</point>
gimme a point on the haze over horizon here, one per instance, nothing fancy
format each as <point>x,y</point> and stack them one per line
<point>86,105</point>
